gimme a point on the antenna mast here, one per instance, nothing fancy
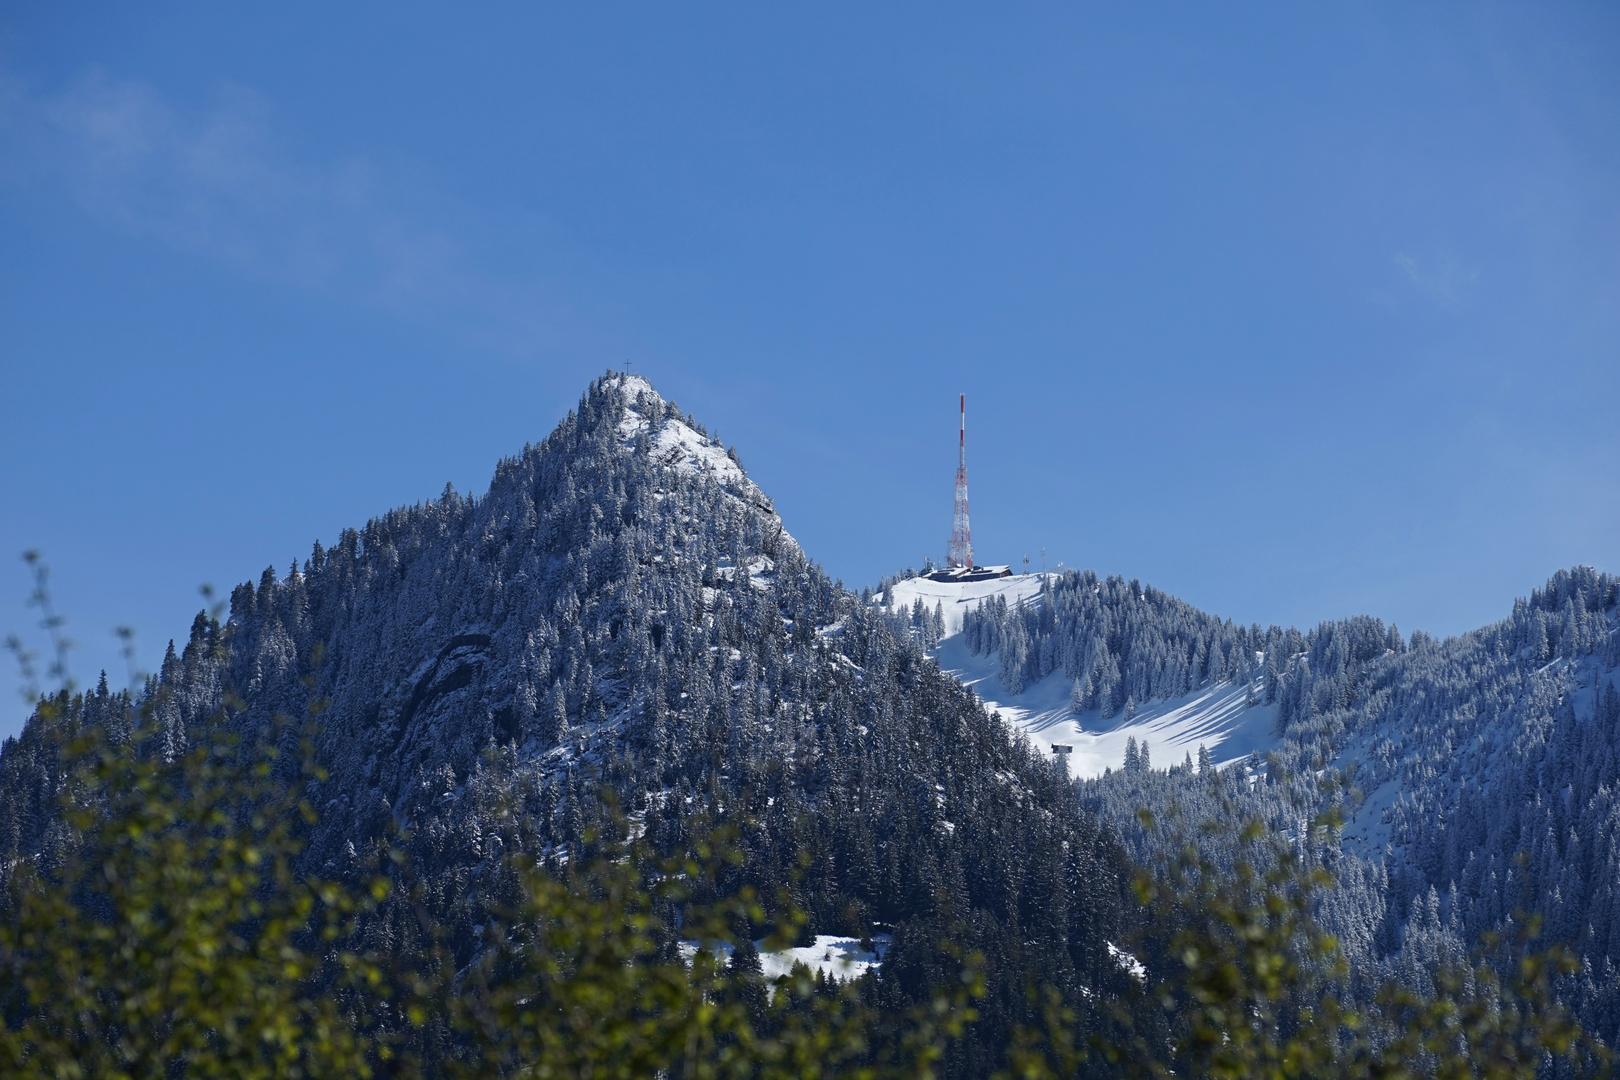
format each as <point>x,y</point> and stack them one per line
<point>960,552</point>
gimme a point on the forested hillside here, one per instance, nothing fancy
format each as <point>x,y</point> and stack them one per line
<point>1477,776</point>
<point>623,608</point>
<point>1118,641</point>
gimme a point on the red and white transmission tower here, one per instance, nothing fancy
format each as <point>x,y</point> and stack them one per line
<point>960,552</point>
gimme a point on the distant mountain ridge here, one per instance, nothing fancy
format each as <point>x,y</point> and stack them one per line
<point>1483,770</point>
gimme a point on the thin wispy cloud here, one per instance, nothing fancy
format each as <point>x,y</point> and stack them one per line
<point>1441,279</point>
<point>221,184</point>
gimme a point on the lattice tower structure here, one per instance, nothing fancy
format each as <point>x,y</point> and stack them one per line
<point>960,551</point>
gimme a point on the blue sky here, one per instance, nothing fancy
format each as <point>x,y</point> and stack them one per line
<point>1296,311</point>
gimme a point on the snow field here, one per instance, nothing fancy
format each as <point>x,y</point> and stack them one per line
<point>955,598</point>
<point>1215,717</point>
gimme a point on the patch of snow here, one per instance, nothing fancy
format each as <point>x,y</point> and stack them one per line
<point>634,386</point>
<point>1367,832</point>
<point>761,572</point>
<point>840,958</point>
<point>1128,963</point>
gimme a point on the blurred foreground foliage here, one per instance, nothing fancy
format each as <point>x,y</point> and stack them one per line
<point>1237,979</point>
<point>176,932</point>
<point>175,940</point>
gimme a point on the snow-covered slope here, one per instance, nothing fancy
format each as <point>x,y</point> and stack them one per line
<point>1218,718</point>
<point>1213,717</point>
<point>956,598</point>
<point>1476,778</point>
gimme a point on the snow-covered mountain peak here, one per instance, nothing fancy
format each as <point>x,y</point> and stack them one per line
<point>678,446</point>
<point>648,423</point>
